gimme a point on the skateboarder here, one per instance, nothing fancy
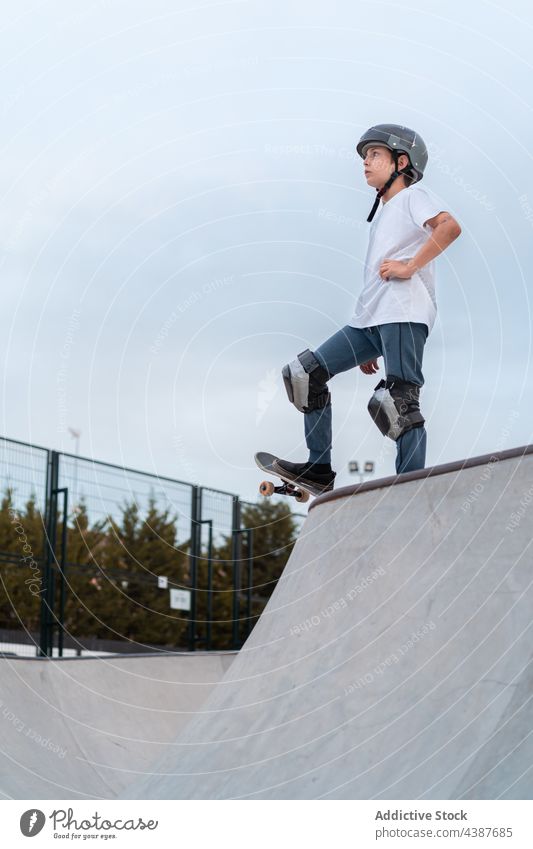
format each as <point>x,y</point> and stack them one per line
<point>393,315</point>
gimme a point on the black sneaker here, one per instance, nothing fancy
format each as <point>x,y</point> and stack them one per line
<point>321,477</point>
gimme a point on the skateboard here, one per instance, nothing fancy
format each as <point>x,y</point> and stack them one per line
<point>297,490</point>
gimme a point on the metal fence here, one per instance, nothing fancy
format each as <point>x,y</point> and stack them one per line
<point>96,557</point>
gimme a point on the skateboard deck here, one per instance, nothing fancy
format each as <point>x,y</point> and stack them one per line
<point>294,488</point>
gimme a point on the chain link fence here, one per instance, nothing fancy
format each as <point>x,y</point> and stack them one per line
<point>98,558</point>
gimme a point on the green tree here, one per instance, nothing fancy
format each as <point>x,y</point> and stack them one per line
<point>86,544</point>
<point>117,591</point>
<point>21,545</point>
<point>274,534</point>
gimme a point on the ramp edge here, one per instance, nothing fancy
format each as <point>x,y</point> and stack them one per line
<point>421,474</point>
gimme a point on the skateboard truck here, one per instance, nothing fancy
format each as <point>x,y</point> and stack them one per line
<point>267,488</point>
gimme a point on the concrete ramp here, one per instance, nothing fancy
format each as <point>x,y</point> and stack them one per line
<point>393,659</point>
<point>84,728</point>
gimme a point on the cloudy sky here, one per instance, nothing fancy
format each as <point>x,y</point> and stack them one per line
<point>182,213</point>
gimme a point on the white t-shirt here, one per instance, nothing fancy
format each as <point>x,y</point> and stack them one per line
<point>397,232</point>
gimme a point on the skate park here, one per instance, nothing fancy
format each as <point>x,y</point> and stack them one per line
<point>300,233</point>
<point>393,660</point>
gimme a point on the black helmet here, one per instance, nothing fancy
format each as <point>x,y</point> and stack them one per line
<point>398,140</point>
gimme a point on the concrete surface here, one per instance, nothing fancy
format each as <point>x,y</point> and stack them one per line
<point>392,661</point>
<point>75,729</point>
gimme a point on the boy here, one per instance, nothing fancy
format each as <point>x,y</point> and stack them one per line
<point>393,315</point>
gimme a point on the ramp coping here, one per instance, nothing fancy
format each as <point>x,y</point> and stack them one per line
<point>421,474</point>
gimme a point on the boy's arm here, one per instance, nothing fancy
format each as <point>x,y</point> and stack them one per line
<point>445,231</point>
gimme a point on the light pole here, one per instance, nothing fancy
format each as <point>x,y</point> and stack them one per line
<point>368,469</point>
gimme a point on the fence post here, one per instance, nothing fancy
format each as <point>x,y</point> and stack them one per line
<point>62,572</point>
<point>195,553</point>
<point>48,593</point>
<point>209,597</point>
<point>250,559</point>
<point>236,558</point>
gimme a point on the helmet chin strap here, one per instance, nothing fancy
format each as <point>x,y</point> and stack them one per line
<point>388,184</point>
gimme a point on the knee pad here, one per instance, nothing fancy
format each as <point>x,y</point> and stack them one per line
<point>305,382</point>
<point>394,406</point>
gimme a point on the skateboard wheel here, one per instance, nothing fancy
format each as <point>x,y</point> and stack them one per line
<point>302,497</point>
<point>266,488</point>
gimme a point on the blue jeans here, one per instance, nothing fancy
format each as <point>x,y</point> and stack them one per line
<point>401,344</point>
